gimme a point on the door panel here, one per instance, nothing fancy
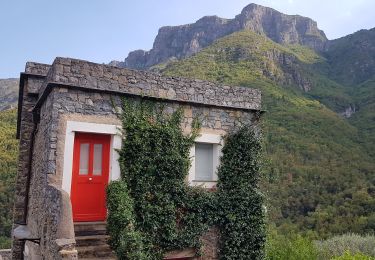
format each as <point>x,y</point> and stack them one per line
<point>90,176</point>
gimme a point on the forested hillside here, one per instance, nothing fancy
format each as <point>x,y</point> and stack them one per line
<point>8,170</point>
<point>319,175</point>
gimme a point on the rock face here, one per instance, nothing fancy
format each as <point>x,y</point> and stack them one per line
<point>281,28</point>
<point>8,93</point>
<point>176,42</point>
<point>348,112</point>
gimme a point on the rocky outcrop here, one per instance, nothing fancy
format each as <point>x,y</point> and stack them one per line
<point>176,42</point>
<point>281,28</point>
<point>348,112</point>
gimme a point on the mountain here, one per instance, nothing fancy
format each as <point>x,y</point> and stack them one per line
<point>319,173</point>
<point>8,93</point>
<point>176,42</point>
<point>320,100</point>
<point>352,58</point>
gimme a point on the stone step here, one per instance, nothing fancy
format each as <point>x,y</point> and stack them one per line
<point>95,252</point>
<point>91,240</point>
<point>95,258</point>
<point>90,228</point>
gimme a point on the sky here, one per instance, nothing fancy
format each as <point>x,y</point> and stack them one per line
<point>105,30</point>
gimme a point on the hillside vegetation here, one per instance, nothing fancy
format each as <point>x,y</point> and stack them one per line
<point>352,58</point>
<point>8,93</point>
<point>319,176</point>
<point>8,170</point>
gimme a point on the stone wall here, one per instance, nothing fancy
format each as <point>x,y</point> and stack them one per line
<point>25,135</point>
<point>100,104</point>
<point>49,217</point>
<point>39,190</point>
<point>37,68</point>
<point>98,76</point>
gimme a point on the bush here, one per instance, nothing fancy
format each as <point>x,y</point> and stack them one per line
<point>348,256</point>
<point>240,205</point>
<point>340,245</point>
<point>290,247</point>
<point>5,242</point>
<point>8,172</point>
<point>126,241</point>
<point>151,209</point>
<point>294,246</point>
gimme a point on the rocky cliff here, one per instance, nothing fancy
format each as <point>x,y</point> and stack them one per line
<point>176,42</point>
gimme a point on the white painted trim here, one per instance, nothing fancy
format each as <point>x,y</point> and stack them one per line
<point>217,142</point>
<point>209,138</point>
<point>76,126</point>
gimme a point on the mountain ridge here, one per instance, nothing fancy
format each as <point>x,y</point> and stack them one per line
<point>352,57</point>
<point>176,42</point>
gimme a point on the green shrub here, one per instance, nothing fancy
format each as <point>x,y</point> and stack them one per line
<point>339,245</point>
<point>289,247</point>
<point>8,172</point>
<point>5,242</point>
<point>152,200</point>
<point>348,256</point>
<point>240,202</point>
<point>126,241</point>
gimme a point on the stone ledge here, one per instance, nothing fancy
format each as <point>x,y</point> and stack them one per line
<point>37,68</point>
<point>188,253</point>
<point>5,254</point>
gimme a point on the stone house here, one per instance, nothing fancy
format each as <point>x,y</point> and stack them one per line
<point>68,131</point>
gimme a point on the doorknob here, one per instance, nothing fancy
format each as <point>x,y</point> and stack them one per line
<point>90,179</point>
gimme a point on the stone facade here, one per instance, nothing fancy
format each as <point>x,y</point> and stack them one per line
<point>73,89</point>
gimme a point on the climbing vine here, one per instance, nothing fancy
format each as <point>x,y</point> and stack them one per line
<point>152,210</point>
<point>241,221</point>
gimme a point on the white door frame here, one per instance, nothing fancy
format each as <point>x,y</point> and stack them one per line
<point>75,126</point>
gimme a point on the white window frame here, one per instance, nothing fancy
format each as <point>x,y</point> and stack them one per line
<point>217,142</point>
<point>75,126</point>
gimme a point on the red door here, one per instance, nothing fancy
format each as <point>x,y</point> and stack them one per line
<point>90,176</point>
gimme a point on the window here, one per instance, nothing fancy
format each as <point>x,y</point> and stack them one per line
<point>204,162</point>
<point>205,156</point>
<point>97,159</point>
<point>84,159</point>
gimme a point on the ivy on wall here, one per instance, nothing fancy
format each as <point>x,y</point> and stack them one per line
<point>241,220</point>
<point>152,210</point>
